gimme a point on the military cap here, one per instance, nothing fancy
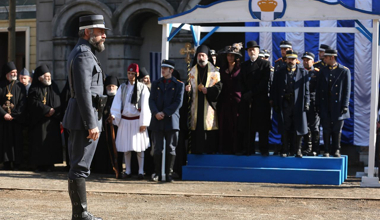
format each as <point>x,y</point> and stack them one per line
<point>308,55</point>
<point>262,53</point>
<point>92,21</point>
<point>252,44</point>
<point>331,52</point>
<point>291,54</point>
<point>213,53</point>
<point>323,47</point>
<point>168,63</point>
<point>285,44</point>
<point>266,53</point>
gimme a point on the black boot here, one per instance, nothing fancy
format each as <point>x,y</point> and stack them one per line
<point>77,192</point>
<point>326,140</point>
<point>307,150</point>
<point>157,167</point>
<point>315,143</point>
<point>298,146</point>
<point>336,144</point>
<point>169,170</point>
<point>285,144</point>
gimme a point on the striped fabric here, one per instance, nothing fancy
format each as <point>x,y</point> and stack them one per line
<point>354,52</point>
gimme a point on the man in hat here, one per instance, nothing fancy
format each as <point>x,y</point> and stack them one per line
<point>291,102</point>
<point>321,52</point>
<point>85,108</point>
<point>204,87</point>
<point>213,56</point>
<point>131,114</point>
<point>105,156</point>
<point>145,78</point>
<point>281,62</point>
<point>44,107</point>
<point>255,74</point>
<point>25,79</point>
<point>12,115</point>
<point>333,96</point>
<point>313,120</point>
<point>165,102</point>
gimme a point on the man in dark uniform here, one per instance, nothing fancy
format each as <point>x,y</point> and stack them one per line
<point>255,74</point>
<point>291,102</point>
<point>165,101</point>
<point>333,96</point>
<point>321,53</point>
<point>312,137</point>
<point>83,116</point>
<point>281,62</point>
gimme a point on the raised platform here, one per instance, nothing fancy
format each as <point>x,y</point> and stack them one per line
<point>271,169</point>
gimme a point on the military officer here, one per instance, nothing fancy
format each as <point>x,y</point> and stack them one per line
<point>83,116</point>
<point>321,52</point>
<point>281,62</point>
<point>313,121</point>
<point>165,101</point>
<point>291,102</point>
<point>333,96</point>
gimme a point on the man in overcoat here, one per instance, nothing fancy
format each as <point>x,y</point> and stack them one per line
<point>333,96</point>
<point>255,75</point>
<point>83,117</point>
<point>165,101</point>
<point>291,101</point>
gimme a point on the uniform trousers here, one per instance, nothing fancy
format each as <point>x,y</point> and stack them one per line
<point>81,152</point>
<point>171,141</point>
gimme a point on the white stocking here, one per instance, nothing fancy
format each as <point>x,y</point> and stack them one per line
<point>140,158</point>
<point>127,158</point>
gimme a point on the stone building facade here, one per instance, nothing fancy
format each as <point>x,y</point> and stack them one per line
<point>135,33</point>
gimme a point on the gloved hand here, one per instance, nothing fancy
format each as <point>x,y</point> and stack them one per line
<point>247,96</point>
<point>344,110</point>
<point>306,108</point>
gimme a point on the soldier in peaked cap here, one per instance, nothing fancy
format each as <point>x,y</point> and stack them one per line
<point>332,100</point>
<point>281,62</point>
<point>255,74</point>
<point>165,102</point>
<point>291,102</point>
<point>83,116</point>
<point>313,120</point>
<point>321,52</point>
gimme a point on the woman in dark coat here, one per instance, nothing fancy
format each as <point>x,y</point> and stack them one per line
<point>229,100</point>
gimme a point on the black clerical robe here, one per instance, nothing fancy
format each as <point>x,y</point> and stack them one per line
<point>45,132</point>
<point>11,138</point>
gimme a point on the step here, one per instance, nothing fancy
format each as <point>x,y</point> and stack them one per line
<point>271,169</point>
<point>264,175</point>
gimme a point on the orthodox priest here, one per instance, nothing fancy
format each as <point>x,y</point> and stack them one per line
<point>44,106</point>
<point>12,101</point>
<point>204,87</point>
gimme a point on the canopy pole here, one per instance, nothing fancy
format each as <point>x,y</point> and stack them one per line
<point>370,180</point>
<point>164,55</point>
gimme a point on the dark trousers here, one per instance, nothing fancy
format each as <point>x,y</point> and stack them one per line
<point>263,140</point>
<point>171,141</point>
<point>332,129</point>
<point>81,152</point>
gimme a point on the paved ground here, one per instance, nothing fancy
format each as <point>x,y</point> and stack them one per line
<point>37,196</point>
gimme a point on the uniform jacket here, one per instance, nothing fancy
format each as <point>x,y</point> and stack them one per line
<point>301,97</point>
<point>313,83</point>
<point>255,80</point>
<point>87,78</point>
<point>340,92</point>
<point>168,101</point>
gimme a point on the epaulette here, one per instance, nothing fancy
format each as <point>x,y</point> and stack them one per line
<point>84,48</point>
<point>345,67</point>
<point>298,62</point>
<point>278,59</point>
<point>179,81</point>
<point>272,68</point>
<point>317,62</point>
<point>316,69</point>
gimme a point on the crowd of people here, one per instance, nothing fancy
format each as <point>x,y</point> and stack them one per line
<point>224,102</point>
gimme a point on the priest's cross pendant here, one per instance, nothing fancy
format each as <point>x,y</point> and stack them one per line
<point>9,96</point>
<point>44,101</point>
<point>187,51</point>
